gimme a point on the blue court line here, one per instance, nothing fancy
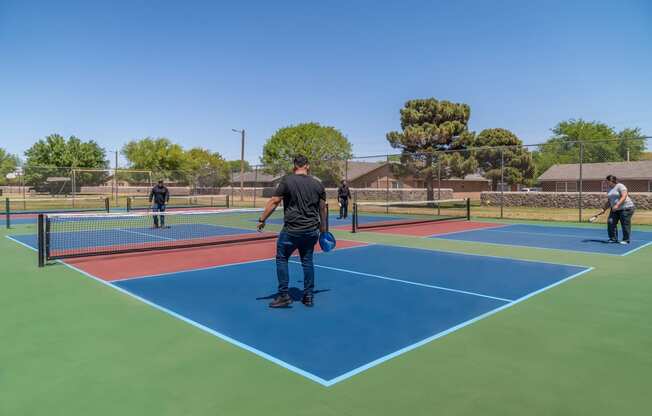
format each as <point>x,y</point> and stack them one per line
<point>448,331</point>
<point>446,289</point>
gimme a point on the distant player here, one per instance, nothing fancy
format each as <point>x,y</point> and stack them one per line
<point>622,210</point>
<point>304,204</point>
<point>343,196</point>
<point>158,198</point>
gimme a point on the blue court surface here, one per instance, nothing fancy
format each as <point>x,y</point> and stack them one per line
<point>590,240</point>
<point>372,303</point>
<point>132,235</point>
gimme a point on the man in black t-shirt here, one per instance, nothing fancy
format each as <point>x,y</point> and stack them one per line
<point>343,195</point>
<point>159,197</point>
<point>304,205</point>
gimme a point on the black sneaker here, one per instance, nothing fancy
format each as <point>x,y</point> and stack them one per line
<point>613,241</point>
<point>308,301</point>
<point>281,301</point>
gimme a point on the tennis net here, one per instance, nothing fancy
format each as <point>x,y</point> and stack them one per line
<point>367,215</point>
<point>136,203</point>
<point>29,206</point>
<point>62,236</point>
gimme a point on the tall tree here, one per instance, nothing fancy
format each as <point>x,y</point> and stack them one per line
<point>56,157</point>
<point>430,126</point>
<point>8,165</point>
<point>207,169</point>
<point>507,149</point>
<point>601,144</point>
<point>165,159</point>
<point>234,166</point>
<point>325,147</point>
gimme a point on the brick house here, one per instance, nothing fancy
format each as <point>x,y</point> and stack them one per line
<point>380,175</point>
<point>636,176</point>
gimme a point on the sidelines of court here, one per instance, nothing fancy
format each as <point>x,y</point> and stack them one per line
<point>450,330</point>
<point>437,236</point>
<point>299,371</point>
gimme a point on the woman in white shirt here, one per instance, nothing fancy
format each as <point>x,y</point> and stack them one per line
<point>622,209</point>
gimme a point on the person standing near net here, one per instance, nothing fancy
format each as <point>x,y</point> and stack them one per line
<point>343,196</point>
<point>304,206</point>
<point>158,198</point>
<point>622,210</point>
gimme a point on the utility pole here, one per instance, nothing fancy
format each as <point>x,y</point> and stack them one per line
<point>242,148</point>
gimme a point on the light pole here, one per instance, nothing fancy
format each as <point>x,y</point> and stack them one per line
<point>242,135</point>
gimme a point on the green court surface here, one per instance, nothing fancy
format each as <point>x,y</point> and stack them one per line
<point>72,346</point>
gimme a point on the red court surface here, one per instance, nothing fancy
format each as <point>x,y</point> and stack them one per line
<point>123,266</point>
<point>433,228</point>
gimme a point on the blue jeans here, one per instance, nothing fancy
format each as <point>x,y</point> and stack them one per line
<point>625,218</point>
<point>286,244</point>
<point>159,208</point>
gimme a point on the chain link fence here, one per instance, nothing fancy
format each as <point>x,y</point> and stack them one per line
<point>554,181</point>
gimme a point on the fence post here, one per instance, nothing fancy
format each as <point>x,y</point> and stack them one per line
<point>255,183</point>
<point>502,180</point>
<point>581,179</point>
<point>439,183</point>
<point>387,186</point>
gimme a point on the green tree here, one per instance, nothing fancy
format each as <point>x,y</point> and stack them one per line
<point>430,126</point>
<point>56,157</point>
<point>325,147</point>
<point>601,144</point>
<point>234,166</point>
<point>165,159</point>
<point>8,164</point>
<point>207,169</point>
<point>507,149</point>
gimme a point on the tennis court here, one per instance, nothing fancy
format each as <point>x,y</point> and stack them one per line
<point>391,292</point>
<point>433,293</point>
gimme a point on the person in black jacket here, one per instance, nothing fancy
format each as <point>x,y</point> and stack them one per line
<point>343,196</point>
<point>304,205</point>
<point>159,197</point>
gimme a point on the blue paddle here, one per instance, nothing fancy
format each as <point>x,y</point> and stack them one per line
<point>327,241</point>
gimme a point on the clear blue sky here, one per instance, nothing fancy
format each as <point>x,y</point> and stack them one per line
<point>190,71</point>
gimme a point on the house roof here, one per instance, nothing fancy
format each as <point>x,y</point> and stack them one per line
<point>355,170</point>
<point>256,177</point>
<point>598,171</point>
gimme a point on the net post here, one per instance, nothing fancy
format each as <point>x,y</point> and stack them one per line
<point>128,203</point>
<point>46,221</point>
<point>41,240</point>
<point>327,219</point>
<point>354,220</point>
<point>468,209</point>
<point>107,207</point>
<point>7,213</point>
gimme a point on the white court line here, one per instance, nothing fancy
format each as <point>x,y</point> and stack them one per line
<point>310,376</point>
<point>538,234</point>
<point>636,249</point>
<point>218,266</point>
<point>446,289</point>
<point>447,331</point>
<point>146,234</point>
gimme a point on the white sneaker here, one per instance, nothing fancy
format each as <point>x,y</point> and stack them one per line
<point>624,242</point>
